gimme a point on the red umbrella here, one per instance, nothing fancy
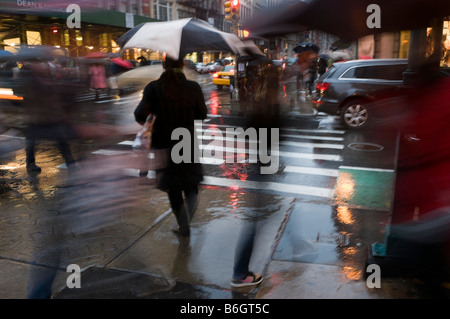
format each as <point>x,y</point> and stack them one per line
<point>123,63</point>
<point>96,55</point>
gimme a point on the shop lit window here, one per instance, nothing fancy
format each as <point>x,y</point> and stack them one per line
<point>445,59</point>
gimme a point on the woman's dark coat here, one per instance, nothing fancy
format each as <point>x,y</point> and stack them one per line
<point>180,109</point>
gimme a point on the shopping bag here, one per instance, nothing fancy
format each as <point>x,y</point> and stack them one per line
<point>143,140</point>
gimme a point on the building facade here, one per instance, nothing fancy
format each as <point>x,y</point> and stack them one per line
<point>104,21</point>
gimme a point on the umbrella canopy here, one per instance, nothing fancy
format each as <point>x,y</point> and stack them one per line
<point>96,55</point>
<point>123,63</point>
<point>41,52</point>
<point>180,37</point>
<point>259,60</point>
<point>5,53</point>
<point>348,18</point>
<point>305,47</point>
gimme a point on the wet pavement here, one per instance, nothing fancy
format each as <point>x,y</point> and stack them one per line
<point>306,247</point>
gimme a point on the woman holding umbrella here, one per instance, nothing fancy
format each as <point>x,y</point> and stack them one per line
<point>175,102</point>
<point>97,75</point>
<point>306,52</point>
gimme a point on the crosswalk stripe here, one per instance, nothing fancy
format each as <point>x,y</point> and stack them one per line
<point>314,137</point>
<point>312,156</point>
<point>313,145</point>
<point>314,131</point>
<point>325,157</point>
<point>270,186</point>
<point>311,137</point>
<point>109,152</point>
<point>281,129</point>
<point>312,171</point>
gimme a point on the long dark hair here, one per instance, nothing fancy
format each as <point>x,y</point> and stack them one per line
<point>171,77</point>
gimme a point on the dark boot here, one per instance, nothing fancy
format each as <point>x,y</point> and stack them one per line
<point>32,167</point>
<point>191,202</point>
<point>29,149</point>
<point>183,222</point>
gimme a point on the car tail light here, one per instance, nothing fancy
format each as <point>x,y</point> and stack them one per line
<point>216,75</point>
<point>321,87</point>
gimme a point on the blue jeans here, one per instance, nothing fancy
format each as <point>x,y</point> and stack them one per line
<point>244,251</point>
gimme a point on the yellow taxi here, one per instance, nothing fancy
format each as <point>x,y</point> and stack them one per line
<point>222,77</point>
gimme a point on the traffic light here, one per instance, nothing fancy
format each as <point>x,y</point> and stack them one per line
<point>232,10</point>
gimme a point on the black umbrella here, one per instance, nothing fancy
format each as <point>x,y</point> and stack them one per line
<point>348,19</point>
<point>39,52</point>
<point>305,47</point>
<point>180,37</point>
<point>259,60</point>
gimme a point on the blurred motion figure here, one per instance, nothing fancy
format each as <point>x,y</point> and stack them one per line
<point>47,117</point>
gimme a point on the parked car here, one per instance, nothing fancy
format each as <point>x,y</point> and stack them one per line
<point>214,67</point>
<point>348,88</point>
<point>199,66</point>
<point>189,64</point>
<point>222,77</point>
<point>207,68</point>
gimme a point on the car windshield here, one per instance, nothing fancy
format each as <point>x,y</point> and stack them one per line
<point>228,68</point>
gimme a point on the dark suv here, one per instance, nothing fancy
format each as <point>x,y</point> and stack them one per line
<point>347,88</point>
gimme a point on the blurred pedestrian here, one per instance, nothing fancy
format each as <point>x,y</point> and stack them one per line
<point>47,118</point>
<point>312,75</point>
<point>97,75</point>
<point>303,74</point>
<point>265,115</point>
<point>176,102</point>
<point>322,65</point>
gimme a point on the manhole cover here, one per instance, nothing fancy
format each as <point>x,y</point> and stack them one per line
<point>365,147</point>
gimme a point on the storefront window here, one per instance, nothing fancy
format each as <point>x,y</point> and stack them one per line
<point>66,38</point>
<point>34,38</point>
<point>404,44</point>
<point>78,38</point>
<point>11,44</point>
<point>163,10</point>
<point>445,57</point>
<point>103,40</point>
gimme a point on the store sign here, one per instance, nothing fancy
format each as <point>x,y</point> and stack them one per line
<point>37,5</point>
<point>74,19</point>
<point>129,20</point>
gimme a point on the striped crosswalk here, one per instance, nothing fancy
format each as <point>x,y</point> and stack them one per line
<point>303,155</point>
<point>108,97</point>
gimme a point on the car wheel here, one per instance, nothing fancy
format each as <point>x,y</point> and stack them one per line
<point>354,114</point>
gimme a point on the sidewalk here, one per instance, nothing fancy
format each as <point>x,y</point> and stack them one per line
<point>140,257</point>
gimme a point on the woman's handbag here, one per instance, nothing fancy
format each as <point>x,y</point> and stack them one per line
<point>143,140</point>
